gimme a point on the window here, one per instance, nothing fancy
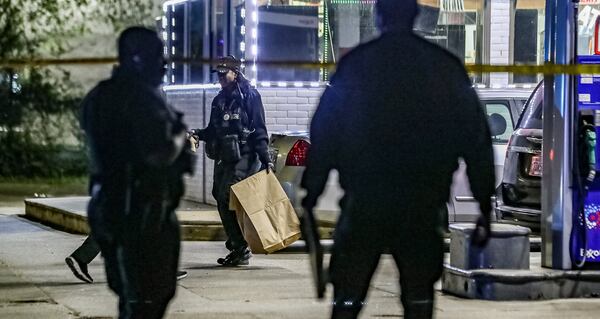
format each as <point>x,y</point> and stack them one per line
<point>528,36</point>
<point>288,33</point>
<point>199,41</point>
<point>588,14</point>
<point>532,117</point>
<point>456,25</point>
<point>187,34</point>
<point>499,120</point>
<point>299,31</point>
<point>176,42</point>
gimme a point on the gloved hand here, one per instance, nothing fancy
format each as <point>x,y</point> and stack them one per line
<point>269,167</point>
<point>194,141</point>
<point>266,161</point>
<point>482,232</point>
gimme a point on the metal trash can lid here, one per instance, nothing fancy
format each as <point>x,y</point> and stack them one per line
<point>498,230</point>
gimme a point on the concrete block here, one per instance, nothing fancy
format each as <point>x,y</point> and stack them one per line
<point>287,93</point>
<point>286,121</point>
<point>508,248</point>
<point>270,107</point>
<point>275,100</point>
<point>286,107</point>
<point>276,128</point>
<point>310,93</point>
<point>297,100</point>
<point>304,121</point>
<point>276,114</point>
<point>298,127</point>
<point>298,114</point>
<point>306,107</point>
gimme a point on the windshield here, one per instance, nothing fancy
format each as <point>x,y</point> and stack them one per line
<point>532,117</point>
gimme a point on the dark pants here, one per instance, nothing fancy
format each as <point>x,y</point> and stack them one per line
<point>87,251</point>
<point>363,233</point>
<point>225,175</point>
<point>140,259</point>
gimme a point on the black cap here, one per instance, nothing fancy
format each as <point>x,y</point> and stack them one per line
<point>226,64</point>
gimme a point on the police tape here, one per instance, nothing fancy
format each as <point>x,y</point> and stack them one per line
<point>546,69</point>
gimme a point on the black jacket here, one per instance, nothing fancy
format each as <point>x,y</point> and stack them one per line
<point>131,134</point>
<point>398,115</point>
<point>252,118</point>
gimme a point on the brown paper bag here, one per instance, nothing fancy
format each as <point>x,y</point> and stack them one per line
<point>265,213</point>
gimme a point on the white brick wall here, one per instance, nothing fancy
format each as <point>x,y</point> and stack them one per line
<point>289,109</point>
<point>286,109</point>
<point>499,39</point>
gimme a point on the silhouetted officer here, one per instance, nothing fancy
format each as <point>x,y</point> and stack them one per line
<point>136,142</point>
<point>398,115</point>
<point>236,138</point>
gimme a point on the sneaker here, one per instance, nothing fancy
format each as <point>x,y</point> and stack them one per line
<point>237,257</point>
<point>181,274</point>
<point>80,270</point>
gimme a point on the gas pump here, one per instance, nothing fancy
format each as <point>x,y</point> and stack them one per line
<point>585,234</point>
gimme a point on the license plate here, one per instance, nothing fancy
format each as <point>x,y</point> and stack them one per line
<point>535,168</point>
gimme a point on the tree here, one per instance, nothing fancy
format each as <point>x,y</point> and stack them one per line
<point>39,105</point>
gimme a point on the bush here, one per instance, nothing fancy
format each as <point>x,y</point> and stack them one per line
<point>23,158</point>
<point>39,131</point>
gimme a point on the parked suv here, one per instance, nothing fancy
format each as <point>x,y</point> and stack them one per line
<point>518,199</point>
<point>503,107</point>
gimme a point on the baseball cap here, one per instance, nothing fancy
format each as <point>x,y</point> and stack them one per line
<point>226,64</point>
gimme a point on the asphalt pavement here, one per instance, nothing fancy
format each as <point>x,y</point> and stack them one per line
<point>35,283</point>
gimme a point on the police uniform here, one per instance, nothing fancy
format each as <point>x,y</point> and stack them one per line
<point>236,138</point>
<point>398,115</point>
<point>137,174</point>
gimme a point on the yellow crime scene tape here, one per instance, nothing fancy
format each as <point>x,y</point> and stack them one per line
<point>546,69</point>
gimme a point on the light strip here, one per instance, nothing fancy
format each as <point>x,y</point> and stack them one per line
<point>181,87</point>
<point>265,84</point>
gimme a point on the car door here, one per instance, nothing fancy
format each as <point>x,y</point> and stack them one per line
<point>462,202</point>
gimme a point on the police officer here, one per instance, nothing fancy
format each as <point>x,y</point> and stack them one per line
<point>138,150</point>
<point>398,115</point>
<point>236,138</point>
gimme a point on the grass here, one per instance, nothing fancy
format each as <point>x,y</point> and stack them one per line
<point>14,190</point>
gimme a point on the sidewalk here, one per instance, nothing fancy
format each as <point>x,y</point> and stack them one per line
<point>35,283</point>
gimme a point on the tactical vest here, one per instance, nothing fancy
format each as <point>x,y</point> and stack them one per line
<point>232,126</point>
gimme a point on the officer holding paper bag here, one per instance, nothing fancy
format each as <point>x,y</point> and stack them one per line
<point>237,140</point>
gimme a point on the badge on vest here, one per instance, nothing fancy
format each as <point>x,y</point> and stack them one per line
<point>226,117</point>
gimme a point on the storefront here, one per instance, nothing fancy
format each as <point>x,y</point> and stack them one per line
<point>308,30</point>
<point>476,31</point>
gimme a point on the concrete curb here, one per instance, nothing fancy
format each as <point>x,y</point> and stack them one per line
<point>56,217</point>
<point>68,214</point>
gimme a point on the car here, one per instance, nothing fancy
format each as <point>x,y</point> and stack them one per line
<point>518,199</point>
<point>502,106</point>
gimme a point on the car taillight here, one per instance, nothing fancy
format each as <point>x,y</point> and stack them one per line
<point>297,155</point>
